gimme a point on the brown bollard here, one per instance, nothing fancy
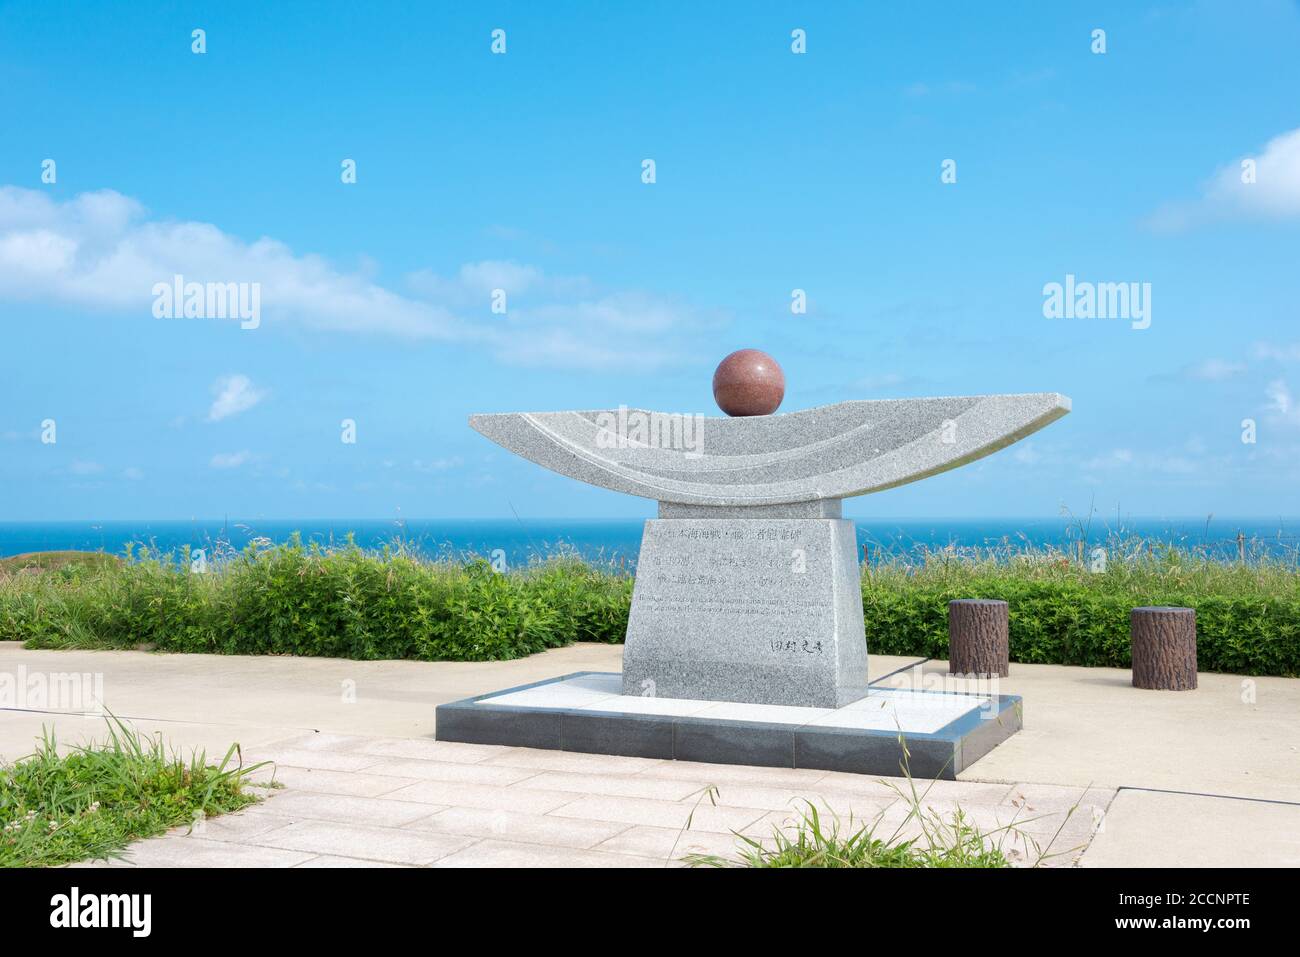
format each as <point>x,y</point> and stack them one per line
<point>978,642</point>
<point>1164,648</point>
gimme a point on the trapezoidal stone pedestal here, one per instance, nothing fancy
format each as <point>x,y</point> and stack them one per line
<point>758,609</point>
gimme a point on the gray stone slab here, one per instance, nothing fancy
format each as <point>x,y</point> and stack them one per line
<point>509,726</point>
<point>970,727</point>
<point>734,742</point>
<point>767,611</point>
<point>635,735</point>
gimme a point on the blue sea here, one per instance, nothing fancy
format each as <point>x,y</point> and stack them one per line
<point>618,541</point>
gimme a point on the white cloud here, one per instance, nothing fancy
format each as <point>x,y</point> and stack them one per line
<point>1279,351</point>
<point>85,468</point>
<point>103,251</point>
<point>1161,462</point>
<point>133,473</point>
<point>1115,458</point>
<point>231,460</point>
<point>883,382</point>
<point>1274,194</point>
<point>1214,370</point>
<point>954,87</point>
<point>475,281</point>
<point>234,394</point>
<point>1026,454</point>
<point>100,250</point>
<point>1282,408</point>
<point>622,330</point>
<point>1279,397</point>
<point>438,465</point>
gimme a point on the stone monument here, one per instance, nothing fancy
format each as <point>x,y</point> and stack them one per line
<point>747,587</point>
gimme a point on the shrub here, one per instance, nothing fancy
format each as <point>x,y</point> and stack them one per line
<point>341,603</point>
<point>1247,616</point>
<point>346,602</point>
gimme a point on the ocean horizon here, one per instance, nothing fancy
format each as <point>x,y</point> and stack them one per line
<point>618,540</point>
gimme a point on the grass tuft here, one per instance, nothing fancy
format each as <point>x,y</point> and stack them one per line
<point>951,842</point>
<point>92,801</point>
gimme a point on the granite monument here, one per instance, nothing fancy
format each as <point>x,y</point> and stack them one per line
<point>745,640</point>
<point>747,585</point>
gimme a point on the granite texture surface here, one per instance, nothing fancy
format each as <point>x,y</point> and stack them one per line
<point>748,382</point>
<point>767,611</point>
<point>835,451</point>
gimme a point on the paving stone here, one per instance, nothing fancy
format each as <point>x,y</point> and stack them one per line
<point>965,792</point>
<point>1163,829</point>
<point>702,817</point>
<point>413,768</point>
<point>197,852</point>
<point>521,827</point>
<point>426,749</point>
<point>1054,797</point>
<point>1025,839</point>
<point>788,822</point>
<point>573,761</point>
<point>360,783</point>
<point>327,860</point>
<point>238,827</point>
<point>664,844</point>
<point>798,799</point>
<point>319,741</point>
<point>720,774</point>
<point>622,785</point>
<point>99,865</point>
<point>492,853</point>
<point>492,797</point>
<point>395,845</point>
<point>347,809</point>
<point>319,760</point>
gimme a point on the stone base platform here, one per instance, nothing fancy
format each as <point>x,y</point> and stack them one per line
<point>945,732</point>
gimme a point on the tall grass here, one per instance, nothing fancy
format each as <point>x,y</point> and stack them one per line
<point>348,602</point>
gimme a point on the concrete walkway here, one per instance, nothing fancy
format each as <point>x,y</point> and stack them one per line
<point>359,801</point>
<point>364,784</point>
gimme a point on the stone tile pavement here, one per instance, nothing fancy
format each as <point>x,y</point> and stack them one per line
<point>1204,778</point>
<point>359,801</point>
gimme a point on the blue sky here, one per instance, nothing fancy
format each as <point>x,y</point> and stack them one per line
<point>774,171</point>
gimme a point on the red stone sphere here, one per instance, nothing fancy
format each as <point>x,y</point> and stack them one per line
<point>748,382</point>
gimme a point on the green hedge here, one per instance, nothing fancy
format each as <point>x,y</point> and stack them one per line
<point>1248,617</point>
<point>345,603</point>
<point>354,604</point>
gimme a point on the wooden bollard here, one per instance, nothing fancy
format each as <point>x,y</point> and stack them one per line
<point>978,643</point>
<point>1164,648</point>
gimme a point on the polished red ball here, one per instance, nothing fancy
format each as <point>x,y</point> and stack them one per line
<point>748,382</point>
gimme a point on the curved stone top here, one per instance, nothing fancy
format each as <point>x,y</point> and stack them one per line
<point>835,451</point>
